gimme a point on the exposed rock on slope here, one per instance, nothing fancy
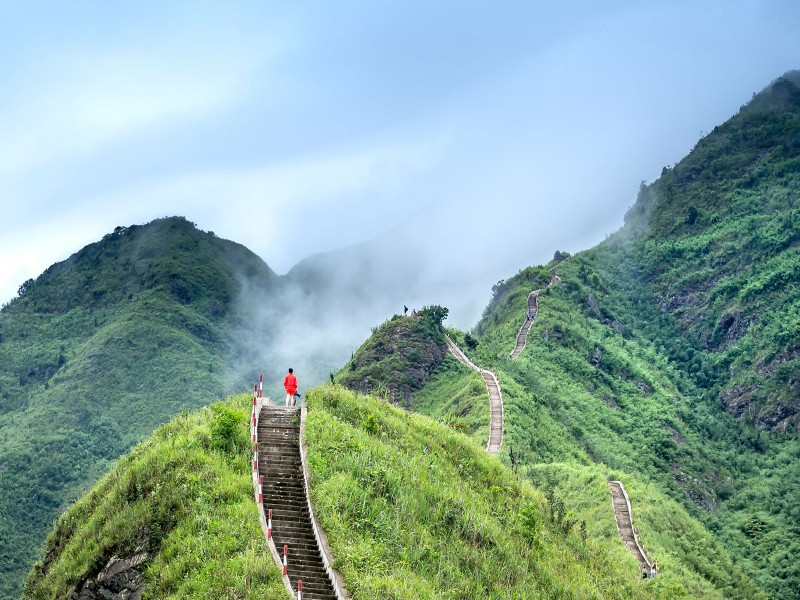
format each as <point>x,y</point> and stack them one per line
<point>397,359</point>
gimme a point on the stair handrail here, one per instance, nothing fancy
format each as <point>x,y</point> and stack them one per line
<point>502,411</point>
<point>319,534</point>
<point>258,402</point>
<point>630,515</point>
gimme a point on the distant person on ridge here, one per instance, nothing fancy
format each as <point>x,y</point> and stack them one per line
<point>290,385</point>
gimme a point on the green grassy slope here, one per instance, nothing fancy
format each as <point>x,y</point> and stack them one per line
<point>629,408</point>
<point>114,341</point>
<point>413,509</point>
<point>567,439</point>
<point>455,395</point>
<point>581,426</point>
<point>184,500</point>
<point>687,311</point>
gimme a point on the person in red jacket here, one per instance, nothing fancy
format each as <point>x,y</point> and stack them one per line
<point>290,385</point>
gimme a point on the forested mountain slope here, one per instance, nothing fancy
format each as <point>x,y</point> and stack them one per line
<point>670,350</point>
<point>100,350</point>
<point>716,243</point>
<point>668,353</point>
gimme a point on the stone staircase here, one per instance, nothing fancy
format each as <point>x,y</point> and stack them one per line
<point>284,493</point>
<point>496,419</point>
<point>522,334</point>
<point>624,518</point>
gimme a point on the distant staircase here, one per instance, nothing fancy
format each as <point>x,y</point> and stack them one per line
<point>624,518</point>
<point>496,423</point>
<point>533,304</point>
<point>284,490</point>
<point>522,334</point>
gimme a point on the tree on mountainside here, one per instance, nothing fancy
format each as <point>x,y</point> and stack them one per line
<point>25,287</point>
<point>435,314</point>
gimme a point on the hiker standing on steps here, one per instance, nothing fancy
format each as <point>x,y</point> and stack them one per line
<point>290,385</point>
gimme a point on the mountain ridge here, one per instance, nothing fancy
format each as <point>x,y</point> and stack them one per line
<point>616,355</point>
<point>632,356</point>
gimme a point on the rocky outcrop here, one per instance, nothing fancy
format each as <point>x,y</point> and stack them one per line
<point>120,579</point>
<point>596,357</point>
<point>730,328</point>
<point>594,306</point>
<point>398,360</point>
<point>768,368</point>
<point>699,492</point>
<point>674,434</point>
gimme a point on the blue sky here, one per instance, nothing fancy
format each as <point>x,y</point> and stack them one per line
<point>296,128</point>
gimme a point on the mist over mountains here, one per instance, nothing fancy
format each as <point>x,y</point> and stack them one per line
<point>161,318</point>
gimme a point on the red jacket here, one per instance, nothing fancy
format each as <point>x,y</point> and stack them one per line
<point>290,383</point>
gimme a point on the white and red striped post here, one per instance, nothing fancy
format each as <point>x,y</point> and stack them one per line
<point>255,457</point>
<point>255,394</point>
<point>253,424</point>
<point>299,589</point>
<point>261,385</point>
<point>269,524</point>
<point>285,559</point>
<point>261,489</point>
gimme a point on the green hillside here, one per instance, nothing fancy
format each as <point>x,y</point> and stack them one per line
<point>558,438</point>
<point>100,350</point>
<point>669,352</point>
<point>411,508</point>
<point>174,518</point>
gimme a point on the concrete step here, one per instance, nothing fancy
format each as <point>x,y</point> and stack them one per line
<point>288,534</point>
<point>307,568</point>
<point>297,546</point>
<point>284,492</point>
<point>284,495</point>
<point>290,513</point>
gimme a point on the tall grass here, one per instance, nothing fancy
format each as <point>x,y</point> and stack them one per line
<point>185,498</point>
<point>414,509</point>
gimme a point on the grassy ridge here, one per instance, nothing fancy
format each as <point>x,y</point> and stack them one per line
<point>185,498</point>
<point>455,395</point>
<point>412,509</point>
<point>632,412</point>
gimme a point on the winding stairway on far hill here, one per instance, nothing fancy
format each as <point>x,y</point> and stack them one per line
<point>495,398</point>
<point>522,334</point>
<point>622,513</point>
<point>533,304</point>
<point>284,491</point>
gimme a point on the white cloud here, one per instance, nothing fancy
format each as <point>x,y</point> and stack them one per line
<point>77,103</point>
<point>26,252</point>
<point>276,208</point>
